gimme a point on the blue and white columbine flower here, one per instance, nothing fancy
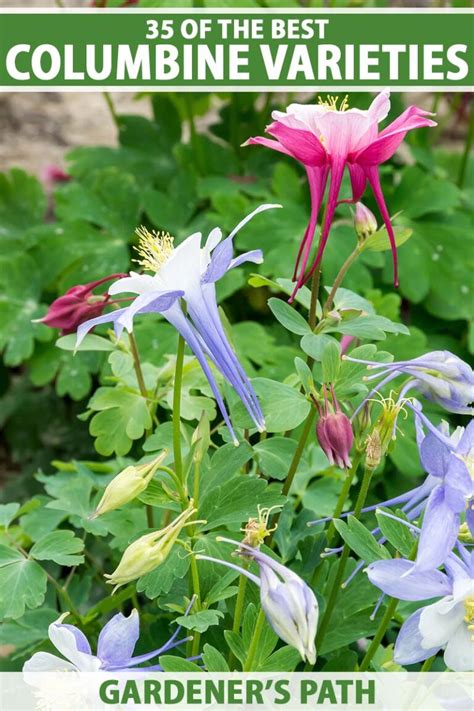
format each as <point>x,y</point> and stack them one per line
<point>115,647</point>
<point>446,624</point>
<point>187,274</point>
<point>440,376</point>
<point>289,604</point>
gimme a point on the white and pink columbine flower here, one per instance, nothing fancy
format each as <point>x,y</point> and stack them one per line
<point>327,139</point>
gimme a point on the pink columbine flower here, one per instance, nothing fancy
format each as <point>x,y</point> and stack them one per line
<point>326,139</point>
<point>77,305</point>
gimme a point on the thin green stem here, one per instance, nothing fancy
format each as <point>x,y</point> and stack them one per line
<point>338,280</point>
<point>239,606</point>
<point>467,150</point>
<point>379,635</point>
<point>338,509</point>
<point>195,142</point>
<point>294,464</point>
<point>312,316</point>
<point>338,579</point>
<point>137,366</point>
<point>428,663</point>
<point>111,107</point>
<point>196,589</point>
<point>66,598</point>
<point>254,641</point>
<point>178,381</point>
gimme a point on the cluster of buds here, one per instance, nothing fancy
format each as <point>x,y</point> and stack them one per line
<point>334,431</point>
<point>128,484</point>
<point>77,305</point>
<point>150,550</point>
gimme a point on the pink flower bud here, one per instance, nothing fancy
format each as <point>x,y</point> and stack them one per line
<point>364,221</point>
<point>53,174</point>
<point>334,433</point>
<point>77,305</point>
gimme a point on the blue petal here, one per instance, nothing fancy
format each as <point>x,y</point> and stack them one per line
<point>408,649</point>
<point>117,640</point>
<point>82,642</point>
<point>439,531</point>
<point>111,317</point>
<point>151,302</point>
<point>255,256</point>
<point>435,456</point>
<point>220,261</point>
<point>395,578</point>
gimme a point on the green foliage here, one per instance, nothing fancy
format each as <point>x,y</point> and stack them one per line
<point>74,420</point>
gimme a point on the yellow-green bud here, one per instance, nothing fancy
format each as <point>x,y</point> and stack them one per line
<point>201,438</point>
<point>127,485</point>
<point>149,551</point>
<point>383,432</point>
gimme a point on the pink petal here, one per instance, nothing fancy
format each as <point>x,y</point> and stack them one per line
<point>358,181</point>
<point>268,143</point>
<point>380,106</point>
<point>390,138</point>
<point>303,145</point>
<point>317,178</point>
<point>374,180</point>
<point>336,179</point>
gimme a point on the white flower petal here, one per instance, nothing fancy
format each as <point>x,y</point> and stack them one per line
<point>459,654</point>
<point>46,662</point>
<point>65,642</point>
<point>133,284</point>
<point>439,621</point>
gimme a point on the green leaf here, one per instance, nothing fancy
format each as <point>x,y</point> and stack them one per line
<point>236,501</point>
<point>314,344</point>
<point>289,317</point>
<point>379,241</point>
<point>160,580</point>
<point>236,645</point>
<point>60,546</point>
<point>22,585</point>
<point>91,342</point>
<point>274,456</point>
<point>177,664</point>
<point>361,540</point>
<point>370,326</point>
<point>8,513</point>
<point>22,201</point>
<point>108,198</point>
<point>122,416</point>
<point>305,375</point>
<point>331,362</point>
<point>213,660</point>
<point>200,621</point>
<point>284,407</point>
<point>283,660</point>
<point>396,533</point>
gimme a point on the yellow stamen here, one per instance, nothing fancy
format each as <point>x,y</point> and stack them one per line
<point>256,528</point>
<point>332,101</point>
<point>469,618</point>
<point>154,248</point>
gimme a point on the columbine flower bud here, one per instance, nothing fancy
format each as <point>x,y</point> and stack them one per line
<point>77,305</point>
<point>127,485</point>
<point>334,432</point>
<point>149,551</point>
<point>289,604</point>
<point>364,221</point>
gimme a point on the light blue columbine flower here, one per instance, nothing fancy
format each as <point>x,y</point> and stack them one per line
<point>115,647</point>
<point>446,624</point>
<point>440,376</point>
<point>187,275</point>
<point>289,604</point>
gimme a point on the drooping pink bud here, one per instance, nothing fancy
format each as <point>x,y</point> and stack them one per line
<point>334,432</point>
<point>77,305</point>
<point>364,221</point>
<point>53,175</point>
